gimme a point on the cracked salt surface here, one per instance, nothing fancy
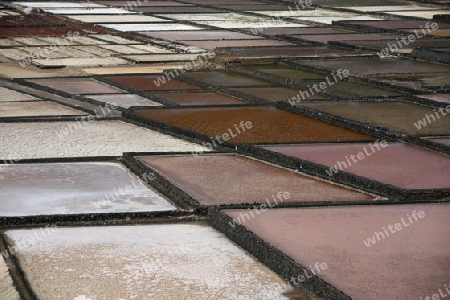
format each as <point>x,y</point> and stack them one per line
<point>176,261</point>
<point>71,188</point>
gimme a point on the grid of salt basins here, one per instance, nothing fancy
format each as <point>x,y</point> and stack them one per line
<point>224,149</point>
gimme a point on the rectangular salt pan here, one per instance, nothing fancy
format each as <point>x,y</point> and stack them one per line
<point>79,62</point>
<point>178,261</point>
<point>124,100</point>
<point>93,11</point>
<point>74,188</point>
<point>243,180</point>
<point>117,19</point>
<point>338,237</point>
<point>394,164</point>
<point>254,24</point>
<point>78,139</point>
<point>61,4</point>
<point>150,27</point>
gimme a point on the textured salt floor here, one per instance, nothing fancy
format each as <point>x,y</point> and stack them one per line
<point>93,11</point>
<point>151,27</point>
<point>114,39</point>
<point>8,42</point>
<point>77,62</point>
<point>56,53</point>
<point>7,95</point>
<point>7,290</point>
<point>330,20</point>
<point>84,40</point>
<point>152,49</point>
<point>71,188</point>
<point>163,57</point>
<point>203,35</point>
<point>14,54</point>
<point>124,100</point>
<point>306,13</point>
<point>125,49</point>
<point>146,3</point>
<point>95,138</point>
<point>32,41</point>
<point>78,86</point>
<point>117,19</point>
<point>211,17</point>
<point>178,261</point>
<point>238,43</point>
<point>85,51</point>
<point>153,68</point>
<point>65,4</point>
<point>262,23</point>
<point>95,50</point>
<point>36,108</point>
<point>53,40</point>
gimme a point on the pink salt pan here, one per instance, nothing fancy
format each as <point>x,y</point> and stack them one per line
<point>401,165</point>
<point>410,263</point>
